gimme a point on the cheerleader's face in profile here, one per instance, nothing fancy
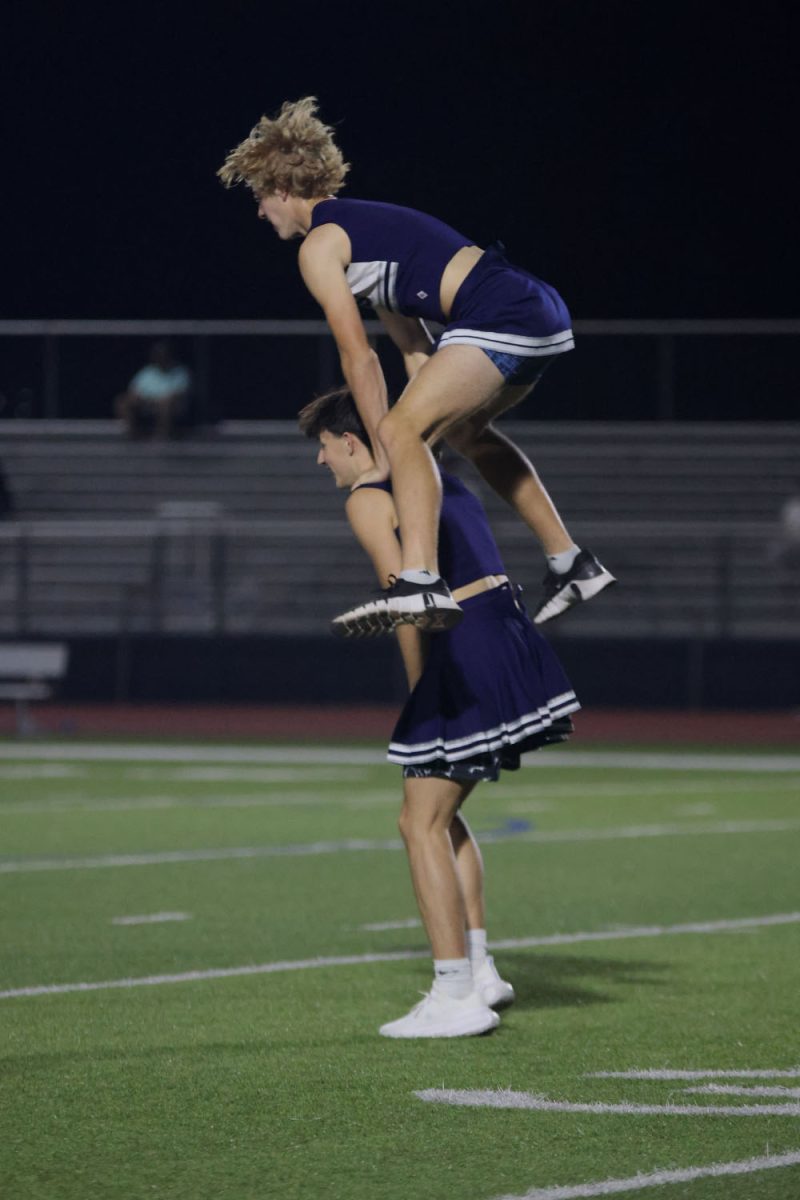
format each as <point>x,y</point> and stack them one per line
<point>343,456</point>
<point>289,216</point>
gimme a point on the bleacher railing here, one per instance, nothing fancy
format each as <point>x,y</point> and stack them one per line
<point>222,577</point>
<point>665,366</point>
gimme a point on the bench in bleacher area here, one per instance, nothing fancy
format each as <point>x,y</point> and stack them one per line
<point>239,531</point>
<point>29,672</point>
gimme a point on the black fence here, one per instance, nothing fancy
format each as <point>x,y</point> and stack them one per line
<point>621,370</point>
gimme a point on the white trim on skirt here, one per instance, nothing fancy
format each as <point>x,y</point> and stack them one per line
<point>484,741</point>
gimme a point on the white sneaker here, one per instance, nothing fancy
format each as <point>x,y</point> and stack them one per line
<point>586,578</point>
<point>441,1016</point>
<point>428,606</point>
<point>494,991</point>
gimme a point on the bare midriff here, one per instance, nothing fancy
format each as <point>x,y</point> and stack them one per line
<point>454,275</point>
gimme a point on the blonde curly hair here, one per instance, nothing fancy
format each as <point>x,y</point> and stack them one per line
<point>294,153</point>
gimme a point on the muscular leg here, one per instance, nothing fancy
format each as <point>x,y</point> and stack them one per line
<point>494,991</point>
<point>456,394</point>
<point>508,471</point>
<point>454,1007</point>
<point>469,865</point>
<point>429,809</point>
<point>454,383</point>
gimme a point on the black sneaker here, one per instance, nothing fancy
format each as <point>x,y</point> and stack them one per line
<point>587,577</point>
<point>428,606</point>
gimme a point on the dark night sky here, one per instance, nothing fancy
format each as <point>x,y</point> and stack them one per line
<point>641,156</point>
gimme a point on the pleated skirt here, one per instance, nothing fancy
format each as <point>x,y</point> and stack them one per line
<point>492,690</point>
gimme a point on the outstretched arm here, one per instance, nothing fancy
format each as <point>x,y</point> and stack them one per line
<point>372,518</point>
<point>323,259</point>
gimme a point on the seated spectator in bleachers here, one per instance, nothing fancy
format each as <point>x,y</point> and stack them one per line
<point>157,398</point>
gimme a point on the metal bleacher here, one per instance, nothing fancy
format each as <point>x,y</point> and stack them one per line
<point>237,530</point>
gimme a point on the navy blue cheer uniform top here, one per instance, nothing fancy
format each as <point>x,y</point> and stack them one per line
<point>492,688</point>
<point>398,257</point>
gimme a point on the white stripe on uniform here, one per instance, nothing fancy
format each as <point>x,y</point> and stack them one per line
<point>484,741</point>
<point>510,343</point>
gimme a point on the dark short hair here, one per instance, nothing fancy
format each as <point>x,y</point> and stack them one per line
<point>335,411</point>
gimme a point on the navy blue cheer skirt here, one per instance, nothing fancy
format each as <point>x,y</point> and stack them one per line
<point>492,690</point>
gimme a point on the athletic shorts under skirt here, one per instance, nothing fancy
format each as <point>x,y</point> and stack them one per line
<point>492,690</point>
<point>505,311</point>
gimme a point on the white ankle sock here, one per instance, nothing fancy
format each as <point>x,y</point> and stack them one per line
<point>561,563</point>
<point>453,976</point>
<point>419,576</point>
<point>476,945</point>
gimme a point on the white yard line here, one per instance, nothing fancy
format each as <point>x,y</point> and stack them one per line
<point>721,1089</point>
<point>672,788</point>
<point>152,918</point>
<point>23,866</point>
<point>245,774</point>
<point>635,1183</point>
<point>513,798</point>
<point>351,960</point>
<point>58,804</point>
<point>161,858</point>
<point>615,832</point>
<point>648,931</point>
<point>668,1073</point>
<point>532,1102</point>
<point>320,799</point>
<point>271,968</point>
<point>360,756</point>
<point>41,771</point>
<point>382,926</point>
<point>301,755</point>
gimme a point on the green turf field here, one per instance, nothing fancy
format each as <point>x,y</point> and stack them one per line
<point>648,917</point>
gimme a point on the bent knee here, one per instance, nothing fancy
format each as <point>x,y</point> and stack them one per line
<point>467,436</point>
<point>416,824</point>
<point>391,430</point>
<point>409,825</point>
<point>398,426</point>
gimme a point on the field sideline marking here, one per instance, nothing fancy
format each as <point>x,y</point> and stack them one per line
<point>374,798</point>
<point>728,1089</point>
<point>513,798</point>
<point>28,771</point>
<point>532,1102</point>
<point>668,1073</point>
<point>352,960</point>
<point>358,756</point>
<point>613,1187</point>
<point>244,773</point>
<point>22,866</point>
<point>671,788</point>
